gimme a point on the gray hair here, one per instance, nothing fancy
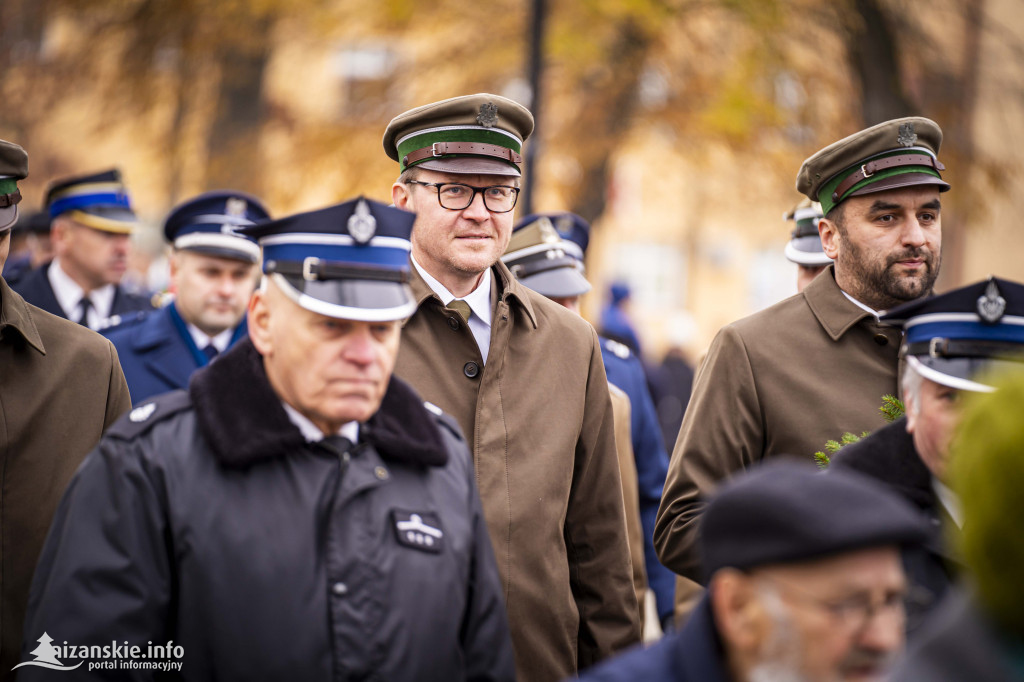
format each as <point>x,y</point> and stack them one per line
<point>910,384</point>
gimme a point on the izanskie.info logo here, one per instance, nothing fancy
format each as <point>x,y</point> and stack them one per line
<point>113,656</point>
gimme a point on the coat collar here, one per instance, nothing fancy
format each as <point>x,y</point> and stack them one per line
<point>700,651</point>
<point>504,286</point>
<point>836,313</point>
<point>244,422</point>
<point>16,314</point>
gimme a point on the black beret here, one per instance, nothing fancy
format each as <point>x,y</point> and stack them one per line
<point>787,511</point>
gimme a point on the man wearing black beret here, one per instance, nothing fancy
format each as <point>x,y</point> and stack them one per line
<point>805,583</point>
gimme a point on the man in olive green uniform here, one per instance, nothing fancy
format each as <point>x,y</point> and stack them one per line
<point>806,370</point>
<point>524,378</point>
<point>60,386</point>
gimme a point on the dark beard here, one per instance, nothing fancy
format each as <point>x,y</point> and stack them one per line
<point>880,288</point>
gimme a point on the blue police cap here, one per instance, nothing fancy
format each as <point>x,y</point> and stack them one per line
<point>804,246</point>
<point>787,511</point>
<point>99,201</point>
<point>542,260</point>
<point>954,338</point>
<point>209,223</point>
<point>349,261</point>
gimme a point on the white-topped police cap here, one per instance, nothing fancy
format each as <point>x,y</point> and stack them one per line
<point>963,336</point>
<point>349,261</point>
<point>210,224</point>
<point>543,261</point>
<point>804,247</point>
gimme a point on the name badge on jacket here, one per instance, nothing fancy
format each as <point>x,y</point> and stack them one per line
<point>419,530</point>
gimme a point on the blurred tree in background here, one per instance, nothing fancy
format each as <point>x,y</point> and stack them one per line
<point>771,79</point>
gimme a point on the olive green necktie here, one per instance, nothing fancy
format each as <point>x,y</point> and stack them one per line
<point>461,307</point>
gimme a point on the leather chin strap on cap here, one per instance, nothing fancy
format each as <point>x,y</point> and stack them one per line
<point>313,269</point>
<point>439,149</point>
<point>871,167</point>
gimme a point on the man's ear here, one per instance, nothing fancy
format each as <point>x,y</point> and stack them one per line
<point>829,234</point>
<point>401,197</point>
<point>738,612</point>
<point>259,322</point>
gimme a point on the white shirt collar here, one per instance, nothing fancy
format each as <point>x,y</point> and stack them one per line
<point>69,296</point>
<point>312,433</point>
<point>860,305</point>
<point>220,341</point>
<point>950,501</point>
<point>479,299</point>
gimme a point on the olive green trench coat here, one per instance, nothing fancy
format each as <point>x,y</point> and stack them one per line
<point>60,387</point>
<point>780,382</point>
<point>539,421</point>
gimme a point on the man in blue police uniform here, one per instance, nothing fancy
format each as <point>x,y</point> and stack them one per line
<point>805,583</point>
<point>804,246</point>
<point>299,513</point>
<point>213,273</point>
<point>92,221</point>
<point>959,341</point>
<point>556,270</point>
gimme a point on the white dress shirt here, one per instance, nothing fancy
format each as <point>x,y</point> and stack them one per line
<point>69,295</point>
<point>479,301</point>
<point>312,433</point>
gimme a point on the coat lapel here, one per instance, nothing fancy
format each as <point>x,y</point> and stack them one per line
<point>164,353</point>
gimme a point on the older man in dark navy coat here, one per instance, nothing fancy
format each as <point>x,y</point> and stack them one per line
<point>805,583</point>
<point>213,273</point>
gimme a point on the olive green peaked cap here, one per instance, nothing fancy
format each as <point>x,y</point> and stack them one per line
<point>480,134</point>
<point>898,153</point>
<point>13,167</point>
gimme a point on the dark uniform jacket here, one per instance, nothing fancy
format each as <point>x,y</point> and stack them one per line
<point>206,518</point>
<point>60,387</point>
<point>539,420</point>
<point>157,352</point>
<point>889,456</point>
<point>780,382</point>
<point>960,644</point>
<point>35,288</point>
<point>692,654</point>
<point>626,371</point>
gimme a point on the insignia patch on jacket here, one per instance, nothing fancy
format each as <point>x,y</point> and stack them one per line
<point>419,530</point>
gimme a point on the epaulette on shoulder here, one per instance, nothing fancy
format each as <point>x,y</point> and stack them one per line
<point>620,350</point>
<point>444,419</point>
<point>140,419</point>
<point>116,323</point>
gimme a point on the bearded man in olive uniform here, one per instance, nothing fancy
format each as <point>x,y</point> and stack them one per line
<point>806,370</point>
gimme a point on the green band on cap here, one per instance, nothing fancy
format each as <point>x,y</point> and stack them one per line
<point>825,193</point>
<point>8,185</point>
<point>468,134</point>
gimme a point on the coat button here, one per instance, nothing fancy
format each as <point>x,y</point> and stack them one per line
<point>339,589</point>
<point>881,339</point>
<point>381,473</point>
<point>471,369</point>
<point>453,323</point>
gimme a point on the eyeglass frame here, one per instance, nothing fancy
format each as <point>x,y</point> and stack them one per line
<point>856,613</point>
<point>476,190</point>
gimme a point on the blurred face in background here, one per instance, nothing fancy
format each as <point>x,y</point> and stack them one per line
<point>212,292</point>
<point>92,258</point>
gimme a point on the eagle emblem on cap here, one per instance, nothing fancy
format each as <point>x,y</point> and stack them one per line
<point>361,224</point>
<point>236,207</point>
<point>907,137</point>
<point>488,116</point>
<point>991,306</point>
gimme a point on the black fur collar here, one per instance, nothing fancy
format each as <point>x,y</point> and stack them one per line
<point>243,421</point>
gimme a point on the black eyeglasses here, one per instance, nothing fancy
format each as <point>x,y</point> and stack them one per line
<point>457,197</point>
